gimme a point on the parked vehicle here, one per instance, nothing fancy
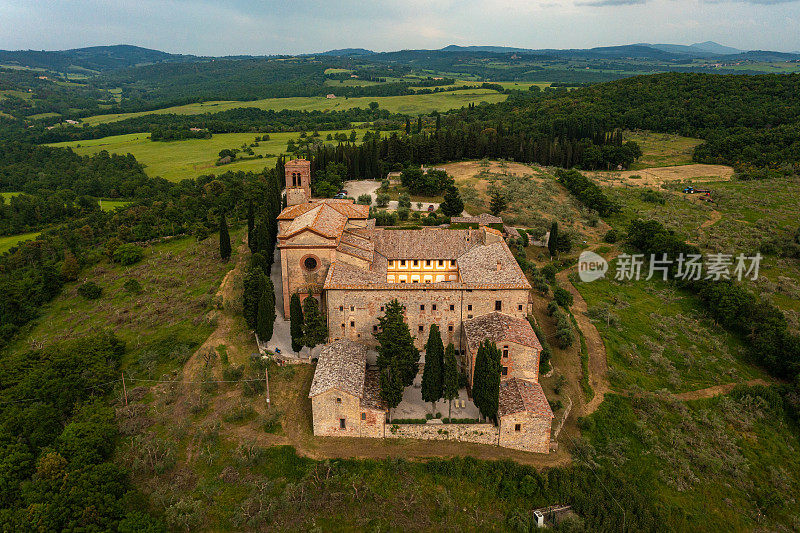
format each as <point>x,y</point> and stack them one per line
<point>430,209</point>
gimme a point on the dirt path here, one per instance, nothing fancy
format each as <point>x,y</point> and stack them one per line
<point>224,332</point>
<point>716,390</point>
<point>598,364</point>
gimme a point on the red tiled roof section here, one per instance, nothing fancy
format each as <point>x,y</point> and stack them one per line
<point>341,366</point>
<point>426,243</point>
<point>523,396</point>
<point>322,219</point>
<point>483,218</point>
<point>345,207</point>
<point>491,264</point>
<point>499,327</point>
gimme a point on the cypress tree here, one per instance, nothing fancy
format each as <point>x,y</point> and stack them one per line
<point>314,329</point>
<point>452,205</point>
<point>498,200</point>
<point>552,242</point>
<point>396,345</point>
<point>408,126</point>
<point>450,377</point>
<point>432,373</point>
<point>251,293</point>
<point>419,124</point>
<point>251,224</point>
<point>486,382</point>
<point>266,309</point>
<point>224,239</point>
<point>296,322</point>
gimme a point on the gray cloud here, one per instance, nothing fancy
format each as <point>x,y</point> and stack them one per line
<point>602,3</point>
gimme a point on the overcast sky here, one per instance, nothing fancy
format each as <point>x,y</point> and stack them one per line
<point>224,27</point>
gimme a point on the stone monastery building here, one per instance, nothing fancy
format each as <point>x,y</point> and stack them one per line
<point>465,280</point>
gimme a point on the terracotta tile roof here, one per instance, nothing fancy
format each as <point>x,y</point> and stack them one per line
<point>345,207</point>
<point>480,265</point>
<point>511,231</point>
<point>372,391</point>
<point>427,243</point>
<point>321,219</point>
<point>521,396</point>
<point>483,218</point>
<point>341,366</point>
<point>499,327</point>
<point>355,251</point>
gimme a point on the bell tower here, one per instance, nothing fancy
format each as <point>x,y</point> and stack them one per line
<point>298,181</point>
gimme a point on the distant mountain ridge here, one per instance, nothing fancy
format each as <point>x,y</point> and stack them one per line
<point>93,58</point>
<point>98,59</point>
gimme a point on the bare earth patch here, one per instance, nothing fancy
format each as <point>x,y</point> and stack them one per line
<point>657,176</point>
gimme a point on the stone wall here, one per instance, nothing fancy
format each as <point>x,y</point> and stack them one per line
<point>522,361</point>
<point>296,277</point>
<point>477,433</point>
<point>327,414</point>
<point>533,434</point>
<point>353,314</point>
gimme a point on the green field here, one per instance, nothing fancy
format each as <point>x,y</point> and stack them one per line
<point>179,160</point>
<point>657,337</point>
<point>662,149</point>
<point>162,324</point>
<point>8,242</point>
<point>409,104</point>
<point>8,195</point>
<point>110,205</point>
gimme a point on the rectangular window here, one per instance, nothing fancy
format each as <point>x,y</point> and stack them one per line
<point>452,307</point>
<point>433,307</point>
<point>416,263</point>
<point>517,427</point>
<point>402,281</point>
<point>375,328</point>
<point>427,263</point>
<point>342,424</point>
<point>403,263</point>
<point>421,328</point>
<point>363,416</point>
<point>505,351</point>
<point>338,400</point>
<point>422,307</point>
<point>341,308</point>
<point>469,316</point>
<point>498,305</point>
<point>519,307</point>
<point>381,309</point>
<point>450,327</point>
<point>352,323</point>
<point>469,307</point>
<point>505,371</point>
<point>441,263</point>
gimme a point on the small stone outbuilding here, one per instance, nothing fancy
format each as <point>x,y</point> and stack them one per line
<point>525,416</point>
<point>514,337</point>
<point>345,400</point>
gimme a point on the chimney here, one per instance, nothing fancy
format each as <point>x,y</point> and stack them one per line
<point>499,265</point>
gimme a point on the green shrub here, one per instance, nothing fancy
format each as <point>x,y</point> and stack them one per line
<point>611,236</point>
<point>233,373</point>
<point>128,254</point>
<point>90,290</point>
<point>365,199</point>
<point>562,297</point>
<point>549,273</point>
<point>132,286</point>
<point>382,200</point>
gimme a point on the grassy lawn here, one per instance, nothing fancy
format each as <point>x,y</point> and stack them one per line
<point>662,149</point>
<point>658,338</point>
<point>179,160</point>
<point>409,104</point>
<point>162,325</point>
<point>8,195</point>
<point>6,243</point>
<point>110,205</point>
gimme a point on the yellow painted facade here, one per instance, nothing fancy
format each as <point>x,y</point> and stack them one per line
<point>421,271</point>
